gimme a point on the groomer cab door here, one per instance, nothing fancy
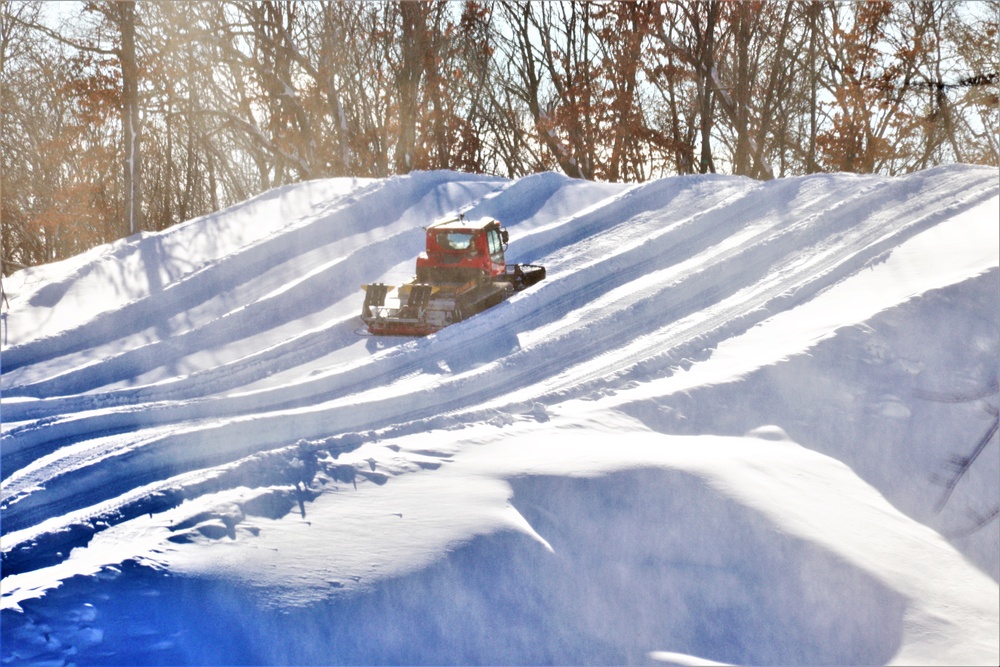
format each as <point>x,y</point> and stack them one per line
<point>494,241</point>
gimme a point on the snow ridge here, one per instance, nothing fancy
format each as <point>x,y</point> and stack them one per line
<point>175,393</point>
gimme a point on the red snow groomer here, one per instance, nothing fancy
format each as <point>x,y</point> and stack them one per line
<point>462,273</point>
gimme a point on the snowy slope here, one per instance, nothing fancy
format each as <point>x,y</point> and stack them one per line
<point>723,429</point>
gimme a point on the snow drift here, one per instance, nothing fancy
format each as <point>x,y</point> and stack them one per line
<point>730,426</point>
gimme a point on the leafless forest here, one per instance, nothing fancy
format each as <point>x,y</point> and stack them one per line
<point>119,117</point>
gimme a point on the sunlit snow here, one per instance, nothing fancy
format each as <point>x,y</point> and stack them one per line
<point>728,428</point>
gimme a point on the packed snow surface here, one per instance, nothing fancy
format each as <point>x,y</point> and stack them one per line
<point>739,422</point>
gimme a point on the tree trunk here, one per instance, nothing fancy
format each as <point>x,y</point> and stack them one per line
<point>706,86</point>
<point>414,47</point>
<point>131,127</point>
<point>741,106</point>
<point>814,10</point>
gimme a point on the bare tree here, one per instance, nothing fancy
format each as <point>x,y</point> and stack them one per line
<point>123,13</point>
<point>139,115</point>
<point>414,50</point>
<point>20,246</point>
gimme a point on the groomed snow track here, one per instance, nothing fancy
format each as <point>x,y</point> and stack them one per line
<point>658,272</point>
<point>215,354</point>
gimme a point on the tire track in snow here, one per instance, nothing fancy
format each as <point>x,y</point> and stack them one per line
<point>687,236</point>
<point>155,415</point>
<point>335,280</point>
<point>357,215</point>
<point>303,392</point>
<point>224,274</point>
<point>306,296</point>
<point>590,353</point>
<point>839,255</point>
<point>518,372</point>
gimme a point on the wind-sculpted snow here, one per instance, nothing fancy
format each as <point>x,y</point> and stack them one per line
<point>176,400</point>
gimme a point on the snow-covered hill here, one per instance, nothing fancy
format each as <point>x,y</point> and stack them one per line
<point>725,428</point>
